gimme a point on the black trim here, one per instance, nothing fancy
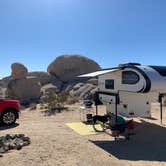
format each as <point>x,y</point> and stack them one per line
<point>160,69</point>
<point>129,64</point>
<point>97,100</point>
<point>148,82</point>
<point>161,106</point>
<point>141,90</point>
<point>107,93</point>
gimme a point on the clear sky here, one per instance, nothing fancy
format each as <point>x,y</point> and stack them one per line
<point>35,32</point>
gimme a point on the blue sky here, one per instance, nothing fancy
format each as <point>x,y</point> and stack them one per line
<point>35,32</point>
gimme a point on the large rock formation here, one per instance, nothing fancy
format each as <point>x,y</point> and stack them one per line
<point>21,87</point>
<point>4,81</point>
<point>50,87</point>
<point>26,89</point>
<point>19,71</point>
<point>83,90</point>
<point>43,77</point>
<point>67,67</point>
<point>46,78</point>
<point>61,77</point>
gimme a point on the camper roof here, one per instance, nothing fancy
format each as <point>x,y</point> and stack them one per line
<point>97,73</point>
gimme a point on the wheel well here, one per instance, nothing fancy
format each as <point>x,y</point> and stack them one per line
<point>15,110</point>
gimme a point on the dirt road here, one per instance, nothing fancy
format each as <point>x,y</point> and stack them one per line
<point>53,143</point>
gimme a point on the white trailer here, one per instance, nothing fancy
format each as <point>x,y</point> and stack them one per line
<point>131,88</point>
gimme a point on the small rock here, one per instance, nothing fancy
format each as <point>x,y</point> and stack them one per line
<point>6,148</point>
<point>2,150</point>
<point>12,145</point>
<point>26,143</point>
<point>8,136</point>
<point>18,147</point>
<point>21,135</point>
<point>26,139</point>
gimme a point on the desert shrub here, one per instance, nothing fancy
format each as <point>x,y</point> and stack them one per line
<point>55,101</point>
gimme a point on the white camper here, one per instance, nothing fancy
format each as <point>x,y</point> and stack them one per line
<point>131,88</point>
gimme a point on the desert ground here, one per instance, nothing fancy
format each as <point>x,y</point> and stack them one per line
<point>53,143</point>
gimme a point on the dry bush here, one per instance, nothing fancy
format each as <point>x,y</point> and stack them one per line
<point>55,102</point>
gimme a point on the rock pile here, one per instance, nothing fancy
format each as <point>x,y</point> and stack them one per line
<point>50,87</point>
<point>45,78</point>
<point>26,90</point>
<point>61,77</point>
<point>22,87</point>
<point>82,90</point>
<point>68,67</point>
<point>16,141</point>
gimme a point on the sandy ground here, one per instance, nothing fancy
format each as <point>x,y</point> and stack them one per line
<point>53,143</point>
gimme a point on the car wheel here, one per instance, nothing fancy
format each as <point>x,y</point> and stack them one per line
<point>9,117</point>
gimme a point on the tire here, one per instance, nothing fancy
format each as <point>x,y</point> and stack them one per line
<point>8,117</point>
<point>99,127</point>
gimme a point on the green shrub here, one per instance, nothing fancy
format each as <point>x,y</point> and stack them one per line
<point>55,101</point>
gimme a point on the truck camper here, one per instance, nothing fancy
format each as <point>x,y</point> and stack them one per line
<point>130,88</point>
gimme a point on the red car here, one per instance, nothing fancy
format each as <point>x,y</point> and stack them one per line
<point>9,111</point>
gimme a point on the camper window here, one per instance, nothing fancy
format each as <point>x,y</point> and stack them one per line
<point>130,77</point>
<point>109,84</point>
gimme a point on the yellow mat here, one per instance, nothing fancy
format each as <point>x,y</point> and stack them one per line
<point>82,128</point>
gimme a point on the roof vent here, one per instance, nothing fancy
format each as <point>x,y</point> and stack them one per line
<point>129,64</point>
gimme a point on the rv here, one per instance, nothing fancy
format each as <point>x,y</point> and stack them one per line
<point>130,89</point>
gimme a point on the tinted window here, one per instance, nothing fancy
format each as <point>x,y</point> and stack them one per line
<point>109,84</point>
<point>160,69</point>
<point>129,77</point>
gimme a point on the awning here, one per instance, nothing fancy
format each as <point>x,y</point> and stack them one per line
<point>97,73</point>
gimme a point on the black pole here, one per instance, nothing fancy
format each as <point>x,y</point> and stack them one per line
<point>116,111</point>
<point>96,110</point>
<point>161,110</point>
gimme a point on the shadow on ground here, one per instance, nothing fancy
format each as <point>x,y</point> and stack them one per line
<point>4,127</point>
<point>148,144</point>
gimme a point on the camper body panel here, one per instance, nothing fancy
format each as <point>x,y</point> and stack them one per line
<point>131,101</point>
<point>136,87</point>
<point>134,104</point>
<point>118,82</point>
<point>158,81</point>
